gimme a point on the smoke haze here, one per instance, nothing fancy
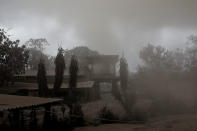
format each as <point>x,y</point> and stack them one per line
<point>109,26</point>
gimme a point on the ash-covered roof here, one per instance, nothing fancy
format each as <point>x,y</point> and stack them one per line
<point>50,73</point>
<point>109,58</point>
<point>11,102</point>
<point>34,86</point>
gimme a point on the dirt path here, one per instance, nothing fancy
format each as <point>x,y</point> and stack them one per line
<point>169,123</point>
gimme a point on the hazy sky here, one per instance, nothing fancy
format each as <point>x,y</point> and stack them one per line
<point>109,26</point>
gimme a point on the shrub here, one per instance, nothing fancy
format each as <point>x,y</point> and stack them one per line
<point>76,115</point>
<point>140,112</point>
<point>107,116</point>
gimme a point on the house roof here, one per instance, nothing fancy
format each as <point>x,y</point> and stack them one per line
<point>103,58</point>
<point>34,86</point>
<point>11,102</point>
<point>50,73</point>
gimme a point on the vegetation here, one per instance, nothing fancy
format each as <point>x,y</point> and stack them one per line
<point>76,113</point>
<point>107,116</point>
<point>73,70</point>
<point>38,44</point>
<point>59,70</point>
<point>36,49</point>
<point>128,98</point>
<point>42,80</point>
<point>115,91</point>
<point>13,58</point>
<point>123,74</point>
<point>164,77</point>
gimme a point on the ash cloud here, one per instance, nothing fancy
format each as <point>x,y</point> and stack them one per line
<point>109,26</point>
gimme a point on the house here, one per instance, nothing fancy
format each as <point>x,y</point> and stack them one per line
<point>102,66</point>
<point>103,71</point>
<point>99,69</point>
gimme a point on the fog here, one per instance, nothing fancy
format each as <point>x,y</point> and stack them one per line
<point>109,26</point>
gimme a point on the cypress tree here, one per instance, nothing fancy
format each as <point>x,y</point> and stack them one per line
<point>42,80</point>
<point>124,81</point>
<point>59,70</point>
<point>123,74</point>
<point>76,113</point>
<point>128,100</point>
<point>73,70</point>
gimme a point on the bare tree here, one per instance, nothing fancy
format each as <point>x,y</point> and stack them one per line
<point>38,44</point>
